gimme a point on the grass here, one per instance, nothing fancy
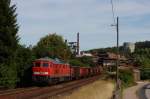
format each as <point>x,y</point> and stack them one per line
<point>101,89</point>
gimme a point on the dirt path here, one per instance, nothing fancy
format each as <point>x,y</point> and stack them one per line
<point>100,89</point>
<point>131,92</point>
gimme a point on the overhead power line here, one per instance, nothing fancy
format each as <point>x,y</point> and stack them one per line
<point>113,13</point>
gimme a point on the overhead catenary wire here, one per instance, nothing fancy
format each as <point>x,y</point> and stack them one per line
<point>113,13</point>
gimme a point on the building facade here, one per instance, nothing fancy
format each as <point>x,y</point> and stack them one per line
<point>129,47</point>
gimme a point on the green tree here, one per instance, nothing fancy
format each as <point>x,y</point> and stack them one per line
<point>24,58</point>
<point>52,46</point>
<point>8,43</point>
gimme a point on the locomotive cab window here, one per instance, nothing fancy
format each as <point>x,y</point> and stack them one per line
<point>37,64</point>
<point>45,64</point>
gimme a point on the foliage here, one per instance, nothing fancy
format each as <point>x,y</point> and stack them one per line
<point>142,56</point>
<point>8,44</point>
<point>8,75</point>
<point>145,74</point>
<point>88,61</point>
<point>145,44</point>
<point>126,77</point>
<point>75,62</point>
<point>24,58</point>
<point>108,49</point>
<point>82,61</point>
<point>52,46</point>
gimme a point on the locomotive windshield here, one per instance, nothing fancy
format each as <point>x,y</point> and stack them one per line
<point>45,64</point>
<point>37,64</point>
<point>41,64</point>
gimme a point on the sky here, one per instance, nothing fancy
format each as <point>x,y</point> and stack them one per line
<point>91,18</point>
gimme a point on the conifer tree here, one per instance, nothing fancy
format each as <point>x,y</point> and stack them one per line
<point>8,43</point>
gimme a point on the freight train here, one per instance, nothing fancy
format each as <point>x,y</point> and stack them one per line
<point>47,70</point>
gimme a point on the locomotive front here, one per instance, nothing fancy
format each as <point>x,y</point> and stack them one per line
<point>41,70</point>
<point>50,71</point>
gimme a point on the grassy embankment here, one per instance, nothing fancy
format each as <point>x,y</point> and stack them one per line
<point>100,89</point>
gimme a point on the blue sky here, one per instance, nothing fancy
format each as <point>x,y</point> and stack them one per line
<point>92,18</point>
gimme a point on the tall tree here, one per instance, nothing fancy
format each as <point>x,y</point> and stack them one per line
<point>8,43</point>
<point>52,46</point>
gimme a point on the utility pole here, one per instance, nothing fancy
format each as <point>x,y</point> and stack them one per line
<point>117,46</point>
<point>117,94</point>
<point>117,63</point>
<point>78,44</point>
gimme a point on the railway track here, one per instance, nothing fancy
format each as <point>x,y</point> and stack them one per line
<point>46,92</point>
<point>15,91</point>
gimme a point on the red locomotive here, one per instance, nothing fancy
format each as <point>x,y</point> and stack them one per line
<point>51,71</point>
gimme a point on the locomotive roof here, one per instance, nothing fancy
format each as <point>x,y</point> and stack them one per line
<point>56,60</point>
<point>81,66</point>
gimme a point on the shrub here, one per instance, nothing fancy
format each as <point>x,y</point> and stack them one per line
<point>126,77</point>
<point>75,62</point>
<point>145,74</point>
